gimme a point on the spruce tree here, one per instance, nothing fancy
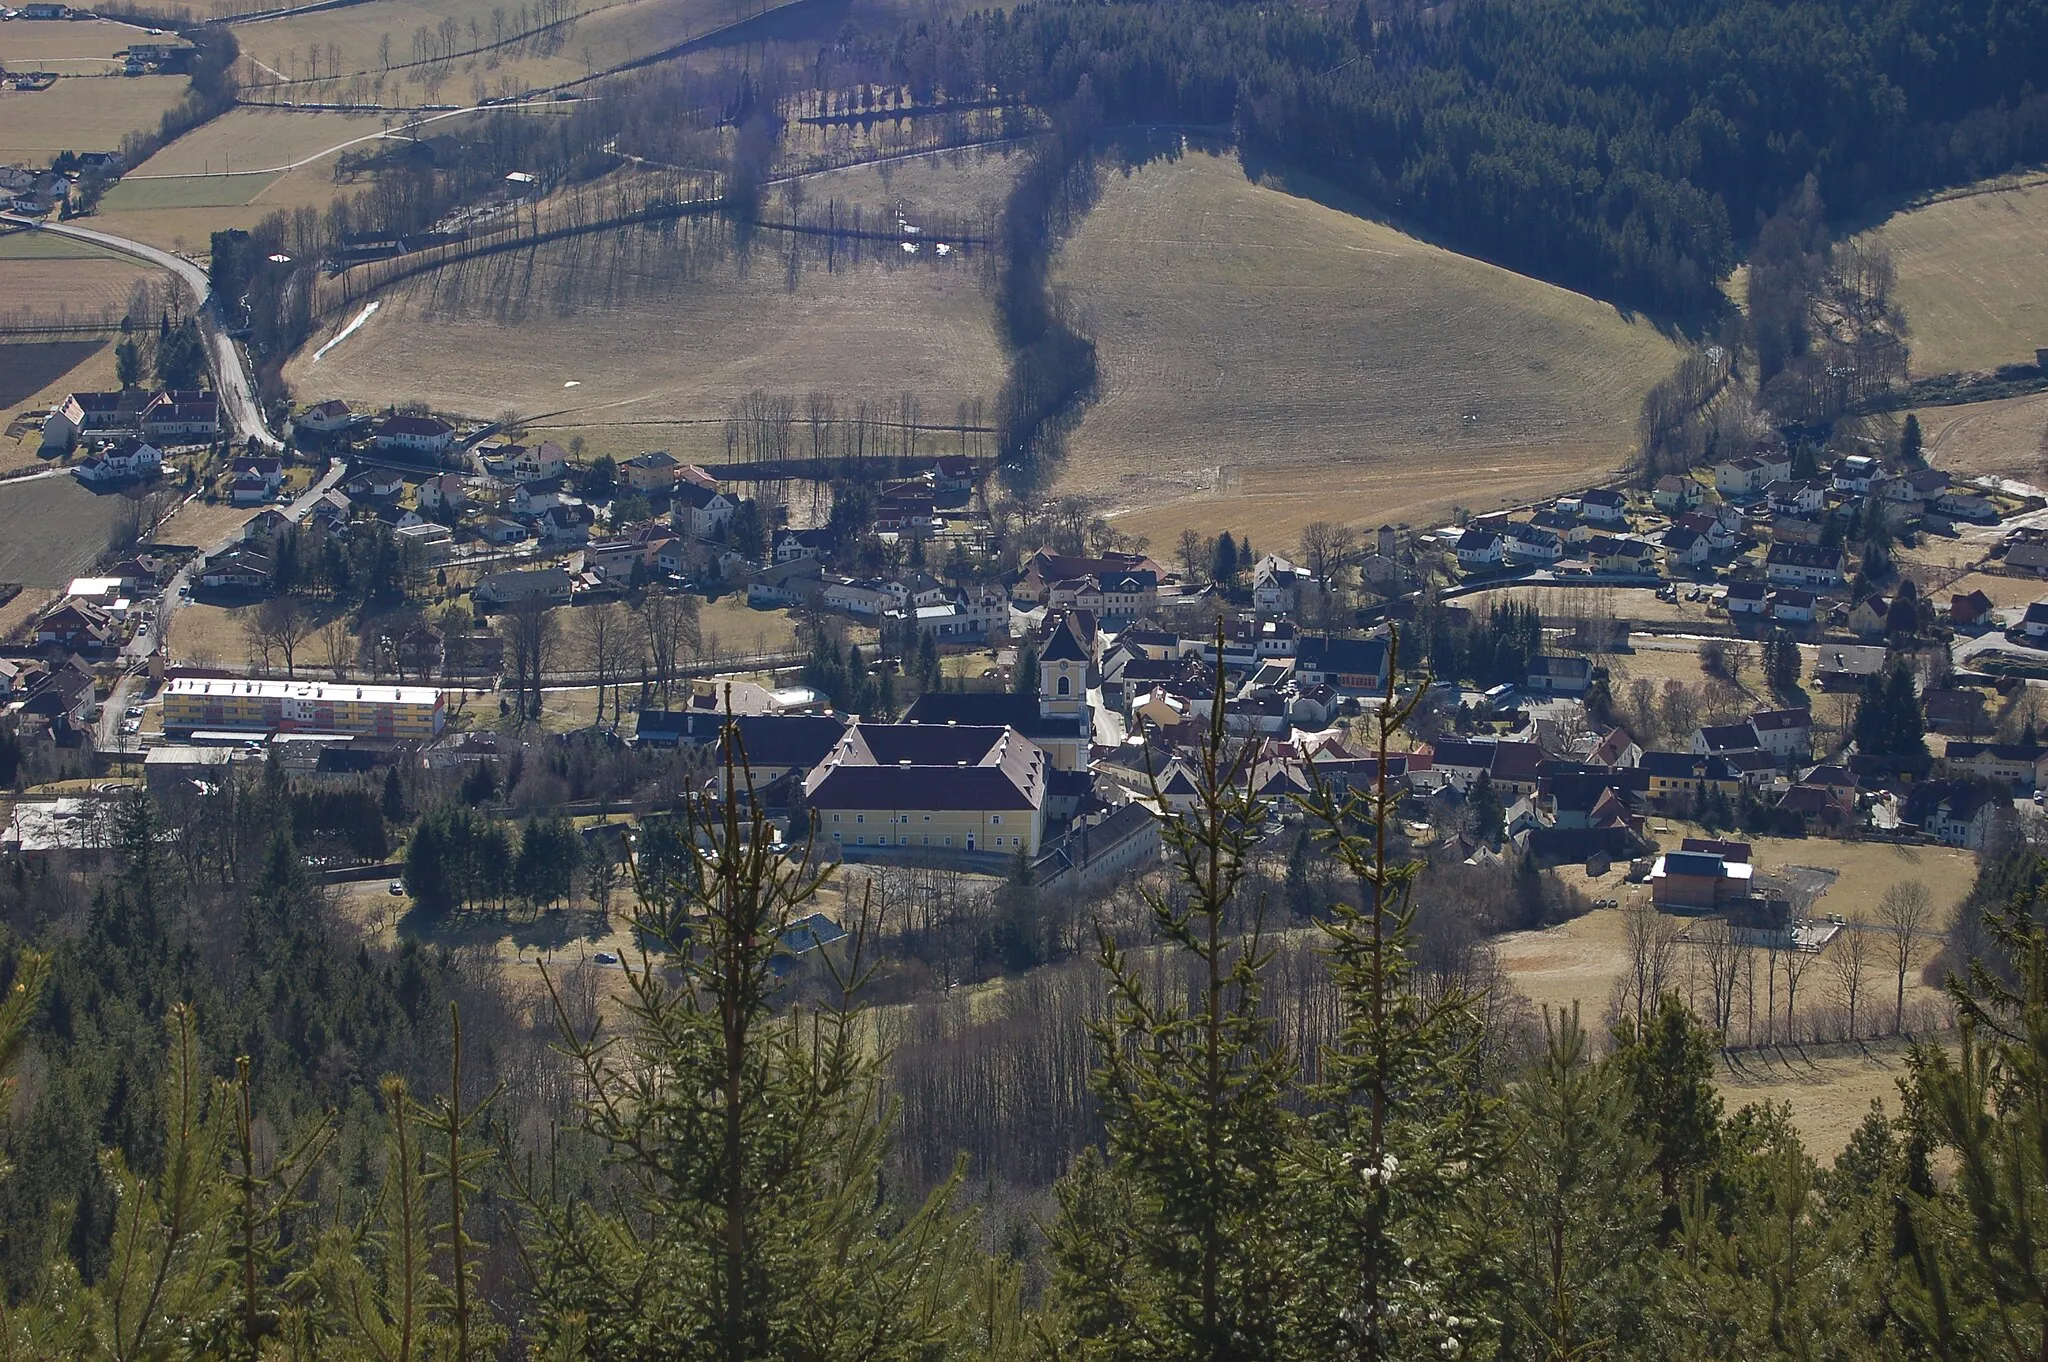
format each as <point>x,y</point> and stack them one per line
<point>1191,1081</point>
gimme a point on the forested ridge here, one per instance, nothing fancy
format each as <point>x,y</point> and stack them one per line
<point>1627,148</point>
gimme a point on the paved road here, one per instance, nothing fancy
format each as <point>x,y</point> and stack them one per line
<point>230,376</point>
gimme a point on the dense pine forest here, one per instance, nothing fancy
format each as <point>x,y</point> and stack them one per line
<point>237,1130</point>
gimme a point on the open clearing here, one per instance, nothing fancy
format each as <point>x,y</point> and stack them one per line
<point>1829,1088</point>
<point>34,245</point>
<point>93,369</point>
<point>189,230</point>
<point>2007,438</point>
<point>654,327</point>
<point>50,292</point>
<point>27,368</point>
<point>604,36</point>
<point>258,139</point>
<point>190,191</point>
<point>84,114</point>
<point>52,529</point>
<point>1329,366</point>
<point>969,184</point>
<point>1970,277</point>
<point>68,46</point>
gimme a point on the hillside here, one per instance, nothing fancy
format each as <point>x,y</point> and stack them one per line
<point>1286,362</point>
<point>1971,277</point>
<point>635,327</point>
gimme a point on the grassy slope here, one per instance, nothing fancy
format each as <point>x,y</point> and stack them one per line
<point>1971,277</point>
<point>1328,365</point>
<point>652,332</point>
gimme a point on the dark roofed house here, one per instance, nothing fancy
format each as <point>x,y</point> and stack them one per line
<point>1554,674</point>
<point>1966,612</point>
<point>1958,813</point>
<point>1353,667</point>
<point>1807,565</point>
<point>1844,666</point>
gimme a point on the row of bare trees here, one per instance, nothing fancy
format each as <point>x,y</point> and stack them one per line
<point>1722,968</point>
<point>765,427</point>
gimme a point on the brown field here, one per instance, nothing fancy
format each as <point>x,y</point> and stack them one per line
<point>56,291</point>
<point>1287,362</point>
<point>606,35</point>
<point>190,229</point>
<point>629,327</point>
<point>34,245</point>
<point>1829,1088</point>
<point>52,529</point>
<point>26,605</point>
<point>259,139</point>
<point>203,524</point>
<point>70,46</point>
<point>2004,591</point>
<point>85,114</point>
<point>94,371</point>
<point>2007,438</point>
<point>1970,276</point>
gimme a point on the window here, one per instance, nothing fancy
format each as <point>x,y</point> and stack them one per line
<point>949,841</point>
<point>927,818</point>
<point>860,818</point>
<point>835,818</point>
<point>995,818</point>
<point>861,840</point>
<point>1066,685</point>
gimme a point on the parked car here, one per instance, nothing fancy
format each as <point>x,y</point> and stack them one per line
<point>605,958</point>
<point>396,888</point>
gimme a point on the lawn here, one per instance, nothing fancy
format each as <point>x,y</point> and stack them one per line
<point>87,113</point>
<point>635,327</point>
<point>1829,1088</point>
<point>190,230</point>
<point>2007,438</point>
<point>50,292</point>
<point>35,245</point>
<point>1970,276</point>
<point>186,191</point>
<point>72,45</point>
<point>1267,360</point>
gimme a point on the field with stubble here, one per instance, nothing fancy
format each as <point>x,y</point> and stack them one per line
<point>626,328</point>
<point>82,113</point>
<point>1970,276</point>
<point>1267,360</point>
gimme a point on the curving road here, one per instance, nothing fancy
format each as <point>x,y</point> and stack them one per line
<point>230,375</point>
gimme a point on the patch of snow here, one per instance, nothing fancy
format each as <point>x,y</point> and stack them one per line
<point>347,331</point>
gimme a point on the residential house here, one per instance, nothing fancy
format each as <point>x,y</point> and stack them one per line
<point>330,511</point>
<point>2034,624</point>
<point>182,416</point>
<point>77,626</point>
<point>1604,506</point>
<point>1044,568</point>
<point>325,418</point>
<point>869,597</point>
<point>1910,491</point>
<point>501,532</point>
<point>241,568</point>
<point>1625,555</point>
<point>552,585</point>
<point>123,462</point>
<point>1479,550</point>
<point>791,545</point>
<point>1796,498</point>
<point>82,414</point>
<point>2023,766</point>
<point>702,511</point>
<point>1855,473</point>
<point>1955,710</point>
<point>1676,493</point>
<point>911,790</point>
<point>1276,585</point>
<point>1747,599</point>
<point>437,542</point>
<point>1669,775</point>
<point>954,473</point>
<point>1554,674</point>
<point>532,500</point>
<point>1958,504</point>
<point>1870,617</point>
<point>1845,666</point>
<point>1957,813</point>
<point>1354,667</point>
<point>539,463</point>
<point>1526,543</point>
<point>1971,611</point>
<point>1685,548</point>
<point>1784,733</point>
<point>412,435</point>
<point>1791,605</point>
<point>567,524</point>
<point>254,479</point>
<point>2026,558</point>
<point>375,484</point>
<point>444,492</point>
<point>1740,477</point>
<point>1724,740</point>
<point>1807,565</point>
<point>652,472</point>
<point>1699,881</point>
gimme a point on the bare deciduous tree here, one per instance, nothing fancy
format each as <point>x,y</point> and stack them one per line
<point>1721,958</point>
<point>599,629</point>
<point>1848,962</point>
<point>1652,943</point>
<point>338,643</point>
<point>1905,911</point>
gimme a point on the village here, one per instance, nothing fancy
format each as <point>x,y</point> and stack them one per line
<point>1033,709</point>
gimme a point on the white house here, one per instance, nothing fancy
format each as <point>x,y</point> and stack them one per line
<point>541,462</point>
<point>1807,565</point>
<point>1531,544</point>
<point>1604,506</point>
<point>325,418</point>
<point>1478,550</point>
<point>413,434</point>
<point>123,462</point>
<point>702,511</point>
